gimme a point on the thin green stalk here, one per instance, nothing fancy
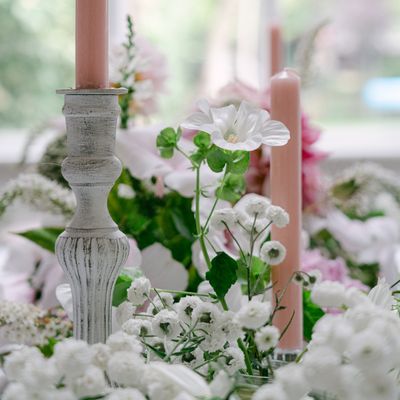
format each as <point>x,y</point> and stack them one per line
<point>247,360</point>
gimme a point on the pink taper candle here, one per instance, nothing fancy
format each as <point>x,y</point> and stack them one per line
<point>91,44</point>
<point>276,48</point>
<point>286,192</point>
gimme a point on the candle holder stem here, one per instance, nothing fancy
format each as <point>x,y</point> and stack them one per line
<point>92,250</point>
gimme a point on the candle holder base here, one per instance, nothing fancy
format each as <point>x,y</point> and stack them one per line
<point>92,249</point>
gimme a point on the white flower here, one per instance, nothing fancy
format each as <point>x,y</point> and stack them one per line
<point>163,300</point>
<point>229,326</point>
<point>186,306</point>
<point>329,294</point>
<point>101,355</point>
<point>16,391</point>
<point>222,218</point>
<point>221,385</point>
<point>90,383</point>
<point>244,129</point>
<point>270,392</point>
<point>58,394</point>
<point>125,191</point>
<point>256,205</point>
<point>166,324</point>
<point>139,291</point>
<point>121,341</point>
<point>191,359</point>
<point>278,216</point>
<point>254,314</point>
<point>213,341</point>
<point>40,373</point>
<point>234,360</point>
<point>292,380</point>
<point>124,312</point>
<point>207,316</point>
<point>166,381</point>
<point>126,394</point>
<point>15,362</point>
<point>137,327</point>
<point>273,252</point>
<point>73,357</point>
<point>381,295</point>
<point>267,337</point>
<point>126,368</point>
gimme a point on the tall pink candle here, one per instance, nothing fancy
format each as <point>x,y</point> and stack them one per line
<point>91,44</point>
<point>286,192</point>
<point>276,48</point>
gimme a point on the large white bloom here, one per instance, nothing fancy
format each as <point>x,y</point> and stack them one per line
<point>246,128</point>
<point>329,294</point>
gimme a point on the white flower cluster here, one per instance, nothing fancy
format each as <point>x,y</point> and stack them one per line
<point>188,331</point>
<point>29,325</point>
<point>40,193</point>
<point>352,356</point>
<point>77,370</point>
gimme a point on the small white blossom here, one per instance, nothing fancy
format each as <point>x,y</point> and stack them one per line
<point>254,314</point>
<point>267,338</point>
<point>16,391</point>
<point>40,374</point>
<point>126,394</point>
<point>166,324</point>
<point>213,341</point>
<point>73,357</point>
<point>273,252</point>
<point>244,129</point>
<point>329,294</point>
<point>222,218</point>
<point>230,326</point>
<point>234,360</point>
<point>186,306</point>
<point>270,392</point>
<point>256,205</point>
<point>137,327</point>
<point>292,380</point>
<point>15,362</point>
<point>101,355</point>
<point>121,341</point>
<point>278,216</point>
<point>89,384</point>
<point>139,291</point>
<point>207,316</point>
<point>124,312</point>
<point>221,385</point>
<point>126,368</point>
<point>58,394</point>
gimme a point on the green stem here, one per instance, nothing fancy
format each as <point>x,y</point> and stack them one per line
<point>247,360</point>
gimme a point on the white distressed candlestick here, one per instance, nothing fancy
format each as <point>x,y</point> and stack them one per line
<point>92,249</point>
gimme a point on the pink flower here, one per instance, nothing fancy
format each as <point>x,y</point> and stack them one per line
<point>331,270</point>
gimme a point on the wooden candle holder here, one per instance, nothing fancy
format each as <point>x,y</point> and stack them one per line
<point>92,249</point>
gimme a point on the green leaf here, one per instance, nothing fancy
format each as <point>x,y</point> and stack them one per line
<point>239,162</point>
<point>216,159</point>
<point>232,189</point>
<point>222,274</point>
<point>166,142</point>
<point>47,349</point>
<point>202,140</point>
<point>311,314</point>
<point>44,237</point>
<point>259,275</point>
<point>345,190</point>
<point>121,289</point>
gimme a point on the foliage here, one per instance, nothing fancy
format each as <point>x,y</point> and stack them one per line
<point>311,314</point>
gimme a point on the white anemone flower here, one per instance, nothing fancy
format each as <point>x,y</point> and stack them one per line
<point>246,128</point>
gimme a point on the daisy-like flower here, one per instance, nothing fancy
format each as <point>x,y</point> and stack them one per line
<point>254,314</point>
<point>267,338</point>
<point>273,252</point>
<point>139,291</point>
<point>256,205</point>
<point>207,316</point>
<point>222,218</point>
<point>234,360</point>
<point>137,327</point>
<point>278,216</point>
<point>246,128</point>
<point>166,324</point>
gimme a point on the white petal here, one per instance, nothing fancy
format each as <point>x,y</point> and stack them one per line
<point>224,117</point>
<point>204,106</point>
<point>275,133</point>
<point>64,296</point>
<point>198,121</point>
<point>162,270</point>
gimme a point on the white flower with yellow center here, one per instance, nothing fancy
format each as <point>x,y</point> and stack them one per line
<point>246,128</point>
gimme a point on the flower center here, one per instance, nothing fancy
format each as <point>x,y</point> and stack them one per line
<point>232,138</point>
<point>273,253</point>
